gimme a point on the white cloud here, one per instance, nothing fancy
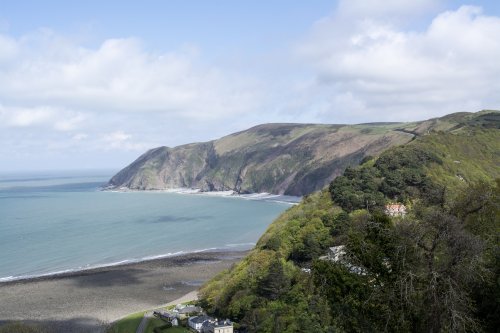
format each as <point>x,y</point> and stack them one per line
<point>370,60</point>
<point>70,123</point>
<point>80,136</point>
<point>8,48</point>
<point>450,66</point>
<point>112,101</point>
<point>117,137</point>
<point>119,76</point>
<point>42,116</point>
<point>26,117</point>
<point>123,141</point>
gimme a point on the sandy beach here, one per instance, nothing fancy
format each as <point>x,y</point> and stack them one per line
<point>86,301</point>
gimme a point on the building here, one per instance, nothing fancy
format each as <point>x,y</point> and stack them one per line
<point>196,322</point>
<point>166,316</point>
<point>206,324</point>
<point>218,326</point>
<point>182,311</point>
<point>395,210</point>
<point>336,253</point>
<point>190,309</point>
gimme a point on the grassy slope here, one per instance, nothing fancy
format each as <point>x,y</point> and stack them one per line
<point>470,155</point>
<point>471,152</point>
<point>280,158</point>
<point>155,323</point>
<point>293,159</point>
<point>128,323</point>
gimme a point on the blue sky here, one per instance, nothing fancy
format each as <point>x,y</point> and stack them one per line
<point>166,24</point>
<point>96,83</point>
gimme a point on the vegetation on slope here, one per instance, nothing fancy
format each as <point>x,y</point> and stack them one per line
<point>436,269</point>
<point>293,159</point>
<point>267,289</point>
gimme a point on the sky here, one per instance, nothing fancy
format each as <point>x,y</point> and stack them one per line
<point>94,84</point>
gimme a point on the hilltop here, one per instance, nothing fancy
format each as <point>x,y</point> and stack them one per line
<point>291,159</point>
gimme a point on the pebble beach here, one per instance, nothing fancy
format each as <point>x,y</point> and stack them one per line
<point>88,301</point>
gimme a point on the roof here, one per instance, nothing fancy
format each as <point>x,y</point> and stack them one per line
<point>395,206</point>
<point>337,252</point>
<point>218,324</point>
<point>199,319</point>
<point>224,324</point>
<point>189,309</point>
<point>165,314</point>
<point>395,209</point>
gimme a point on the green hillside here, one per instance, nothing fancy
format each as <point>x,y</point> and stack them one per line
<point>293,159</point>
<point>434,269</point>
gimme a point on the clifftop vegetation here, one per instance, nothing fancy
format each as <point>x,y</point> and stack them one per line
<point>434,269</point>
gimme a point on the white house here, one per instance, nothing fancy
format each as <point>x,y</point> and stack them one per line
<point>395,210</point>
<point>336,253</point>
<point>339,255</point>
<point>206,324</point>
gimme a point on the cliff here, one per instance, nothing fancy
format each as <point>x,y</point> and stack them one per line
<point>291,159</point>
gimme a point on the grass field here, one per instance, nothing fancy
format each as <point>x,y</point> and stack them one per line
<point>154,323</point>
<point>127,324</point>
<point>177,330</point>
<point>130,323</point>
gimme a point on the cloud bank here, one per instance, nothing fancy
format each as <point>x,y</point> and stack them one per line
<point>373,68</point>
<point>367,61</point>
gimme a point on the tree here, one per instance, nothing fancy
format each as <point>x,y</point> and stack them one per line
<point>275,283</point>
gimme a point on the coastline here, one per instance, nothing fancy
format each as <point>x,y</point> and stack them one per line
<point>264,196</point>
<point>122,263</point>
<point>88,300</point>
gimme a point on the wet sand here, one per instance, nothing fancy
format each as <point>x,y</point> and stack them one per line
<point>87,301</point>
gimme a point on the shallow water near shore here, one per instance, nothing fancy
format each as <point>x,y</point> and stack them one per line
<point>59,222</point>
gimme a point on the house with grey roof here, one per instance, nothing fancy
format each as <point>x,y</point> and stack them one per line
<point>206,324</point>
<point>218,326</point>
<point>196,322</point>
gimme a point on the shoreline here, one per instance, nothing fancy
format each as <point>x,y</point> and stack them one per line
<point>122,263</point>
<point>263,196</point>
<point>88,301</point>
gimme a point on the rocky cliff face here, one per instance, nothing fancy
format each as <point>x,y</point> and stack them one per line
<point>277,158</point>
<point>292,159</point>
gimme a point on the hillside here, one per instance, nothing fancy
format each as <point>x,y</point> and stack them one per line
<point>435,269</point>
<point>292,159</point>
<point>287,159</point>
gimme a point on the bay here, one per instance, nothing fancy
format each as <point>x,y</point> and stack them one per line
<point>61,221</point>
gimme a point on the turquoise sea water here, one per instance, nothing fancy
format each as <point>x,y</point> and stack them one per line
<point>55,222</point>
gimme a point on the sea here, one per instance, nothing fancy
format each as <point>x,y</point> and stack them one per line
<point>58,222</point>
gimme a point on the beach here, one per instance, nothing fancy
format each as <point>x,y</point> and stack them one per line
<point>87,301</point>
